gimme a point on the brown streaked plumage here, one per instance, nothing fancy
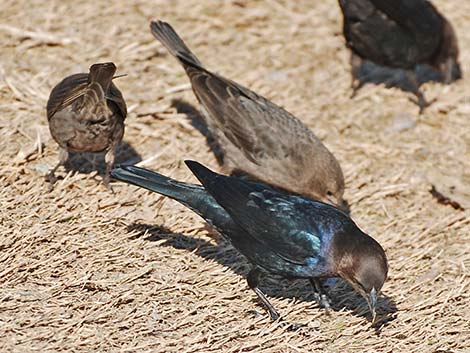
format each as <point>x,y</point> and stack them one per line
<point>86,113</point>
<point>400,34</point>
<point>258,137</point>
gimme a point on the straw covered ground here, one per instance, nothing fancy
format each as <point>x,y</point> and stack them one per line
<point>83,269</point>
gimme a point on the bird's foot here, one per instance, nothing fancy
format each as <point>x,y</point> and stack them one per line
<point>292,327</point>
<point>422,103</point>
<point>273,314</point>
<point>323,301</point>
<point>354,92</point>
<point>355,87</point>
<point>107,185</point>
<point>51,178</point>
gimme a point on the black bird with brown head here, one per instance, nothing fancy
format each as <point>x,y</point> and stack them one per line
<point>279,233</point>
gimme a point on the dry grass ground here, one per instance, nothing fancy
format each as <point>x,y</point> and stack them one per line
<point>86,270</point>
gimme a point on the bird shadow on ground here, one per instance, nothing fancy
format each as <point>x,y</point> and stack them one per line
<point>197,121</point>
<point>87,163</point>
<point>393,77</point>
<point>341,295</point>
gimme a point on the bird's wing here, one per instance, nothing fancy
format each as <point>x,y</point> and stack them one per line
<point>114,95</point>
<point>66,92</point>
<point>419,17</point>
<point>392,33</point>
<point>261,130</point>
<point>280,222</point>
<point>92,101</point>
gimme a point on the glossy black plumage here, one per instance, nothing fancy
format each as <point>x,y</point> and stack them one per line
<point>400,34</point>
<point>279,233</point>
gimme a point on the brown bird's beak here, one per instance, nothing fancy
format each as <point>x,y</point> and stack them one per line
<point>372,301</point>
<point>118,76</point>
<point>340,204</point>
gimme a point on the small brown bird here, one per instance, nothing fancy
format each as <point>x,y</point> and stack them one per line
<point>86,113</point>
<point>259,138</point>
<point>400,34</point>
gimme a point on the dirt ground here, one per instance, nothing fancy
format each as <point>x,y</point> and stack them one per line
<point>83,269</point>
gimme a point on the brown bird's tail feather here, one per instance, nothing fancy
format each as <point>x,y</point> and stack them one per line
<point>172,41</point>
<point>102,73</point>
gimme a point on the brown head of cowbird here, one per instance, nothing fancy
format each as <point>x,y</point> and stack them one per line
<point>86,113</point>
<point>258,138</point>
<point>400,34</point>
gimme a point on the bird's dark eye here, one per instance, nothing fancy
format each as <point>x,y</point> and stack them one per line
<point>329,193</point>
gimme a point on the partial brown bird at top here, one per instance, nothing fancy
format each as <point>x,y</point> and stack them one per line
<point>86,113</point>
<point>400,34</point>
<point>259,139</point>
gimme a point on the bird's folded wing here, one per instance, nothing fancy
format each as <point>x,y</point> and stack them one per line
<point>272,218</point>
<point>92,102</point>
<point>114,95</point>
<point>261,130</point>
<point>419,17</point>
<point>66,92</point>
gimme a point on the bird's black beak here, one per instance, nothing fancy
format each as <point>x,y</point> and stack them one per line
<point>372,301</point>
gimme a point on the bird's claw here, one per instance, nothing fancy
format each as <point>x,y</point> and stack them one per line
<point>107,185</point>
<point>323,301</point>
<point>292,327</point>
<point>422,103</point>
<point>51,178</point>
<point>274,315</point>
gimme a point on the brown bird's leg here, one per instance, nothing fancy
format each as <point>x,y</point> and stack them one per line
<point>63,156</point>
<point>356,83</point>
<point>253,280</point>
<point>109,157</point>
<point>421,100</point>
<point>319,294</point>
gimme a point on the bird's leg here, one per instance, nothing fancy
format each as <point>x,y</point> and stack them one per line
<point>319,294</point>
<point>356,82</point>
<point>63,156</point>
<point>421,100</point>
<point>253,280</point>
<point>446,70</point>
<point>109,157</point>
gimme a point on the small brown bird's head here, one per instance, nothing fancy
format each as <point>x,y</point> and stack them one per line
<point>102,73</point>
<point>327,185</point>
<point>334,190</point>
<point>363,264</point>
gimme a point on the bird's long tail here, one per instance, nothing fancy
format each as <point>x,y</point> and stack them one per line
<point>195,197</point>
<point>173,42</point>
<point>179,191</point>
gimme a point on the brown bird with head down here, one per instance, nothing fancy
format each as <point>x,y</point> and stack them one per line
<point>259,138</point>
<point>86,113</point>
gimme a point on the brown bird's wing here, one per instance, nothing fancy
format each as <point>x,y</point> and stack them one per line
<point>90,104</point>
<point>114,97</point>
<point>261,130</point>
<point>258,137</point>
<point>66,92</point>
